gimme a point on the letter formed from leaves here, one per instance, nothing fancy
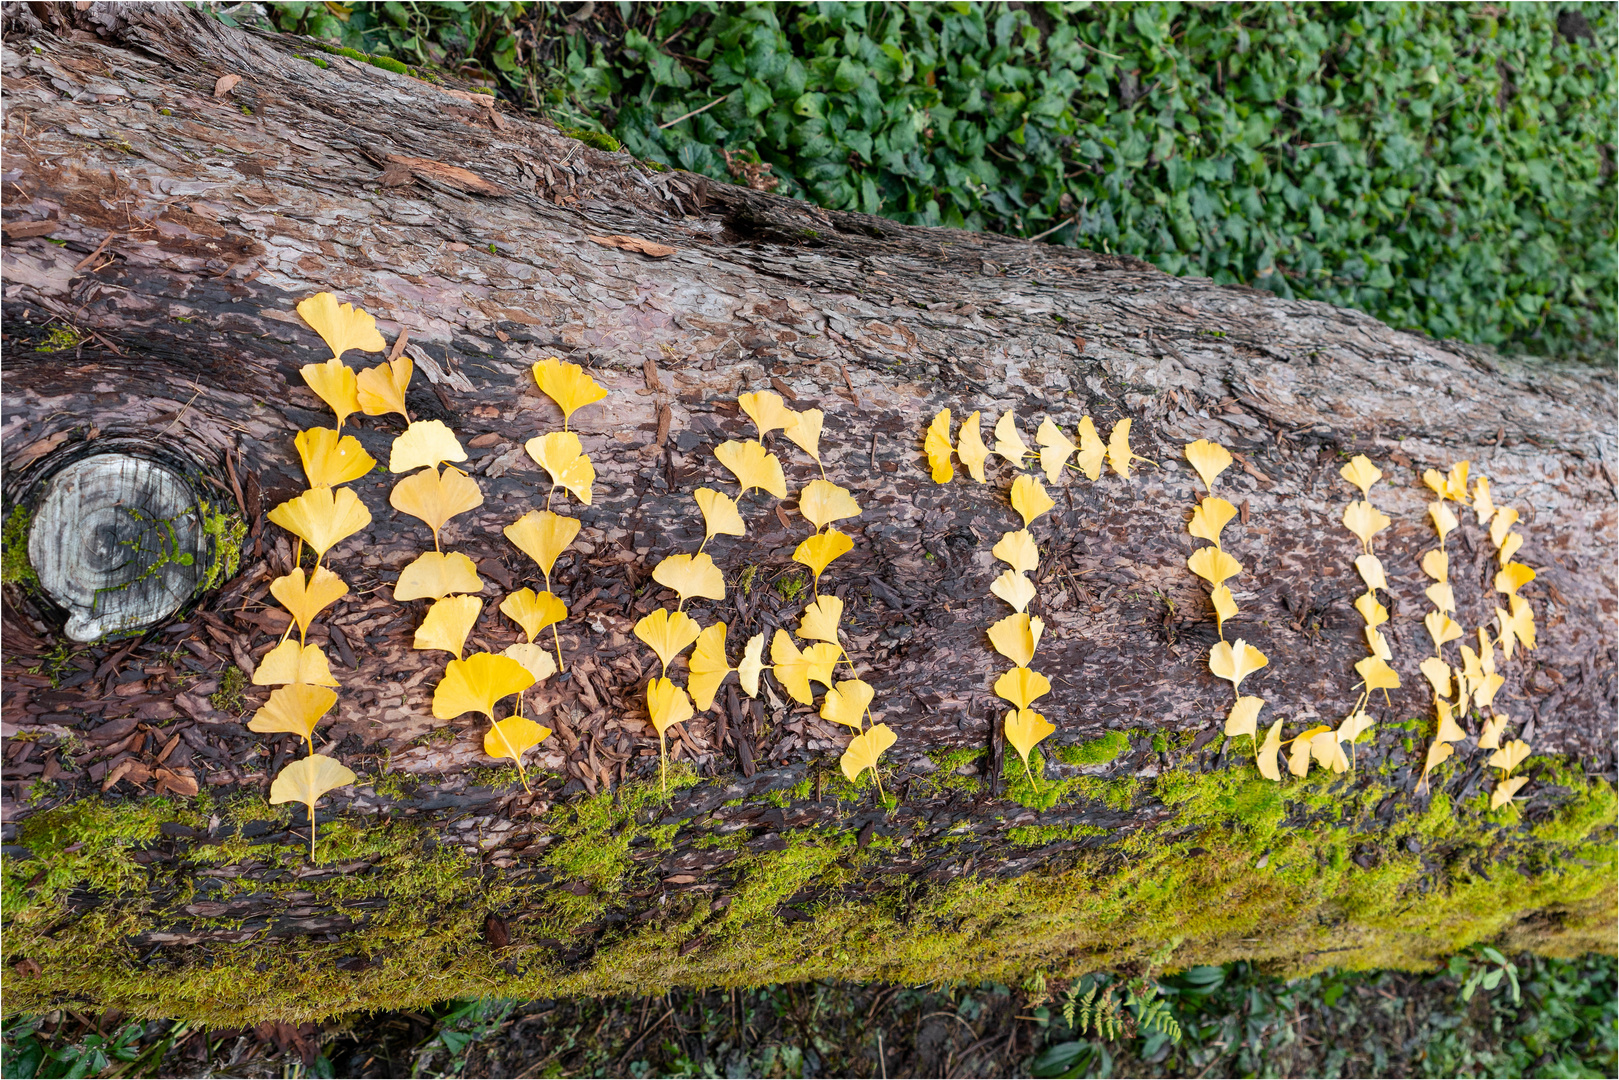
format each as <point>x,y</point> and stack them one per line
<point>322,517</point>
<point>305,781</point>
<point>936,445</point>
<point>568,386</point>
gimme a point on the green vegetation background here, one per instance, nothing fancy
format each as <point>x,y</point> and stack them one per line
<point>1445,167</point>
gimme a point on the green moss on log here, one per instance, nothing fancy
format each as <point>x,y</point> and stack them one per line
<point>1297,877</point>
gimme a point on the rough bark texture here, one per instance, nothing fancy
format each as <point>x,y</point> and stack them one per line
<point>189,223</point>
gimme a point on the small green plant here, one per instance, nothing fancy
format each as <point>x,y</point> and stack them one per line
<point>228,698</point>
<point>227,531</point>
<point>15,569</point>
<point>27,1055</point>
<point>1484,966</point>
<point>59,338</point>
<point>790,586</point>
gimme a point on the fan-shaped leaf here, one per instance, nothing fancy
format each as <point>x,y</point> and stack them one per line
<point>1513,577</point>
<point>1365,521</point>
<point>305,597</point>
<point>1505,790</point>
<point>1243,719</point>
<point>823,502</point>
<point>691,575</point>
<point>970,448</point>
<point>1210,518</point>
<point>1029,498</point>
<point>533,611</point>
<point>543,536</point>
<point>295,709</point>
<point>289,662</point>
<point>1022,686</point>
<point>937,447</point>
<point>534,658</point>
<point>1371,572</point>
<point>1024,729</point>
<point>561,455</point>
<point>342,326</point>
<point>1362,473</point>
<point>381,390</point>
<point>846,703</point>
<point>1017,549</point>
<point>767,411</point>
<point>322,517</point>
<point>748,671</point>
<point>667,704</point>
<point>447,624</point>
<point>1055,448</point>
<point>1016,637</point>
<point>804,429</point>
<point>753,466</point>
<point>305,781</point>
<point>434,575</point>
<point>567,385</point>
<point>1092,451</point>
<point>1213,565</point>
<point>1008,443</point>
<point>1235,661</point>
<point>818,551</point>
<point>334,383</point>
<point>864,750</point>
<point>720,517</point>
<point>330,459</point>
<point>1015,588</point>
<point>708,666</point>
<point>1210,459</point>
<point>477,683</point>
<point>424,443</point>
<point>667,633</point>
<point>821,618</point>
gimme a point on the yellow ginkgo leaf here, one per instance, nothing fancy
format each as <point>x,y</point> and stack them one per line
<point>1024,729</point>
<point>534,658</point>
<point>1444,520</point>
<point>381,390</point>
<point>795,669</point>
<point>1441,596</point>
<point>1365,521</point>
<point>567,385</point>
<point>1213,565</point>
<point>1509,756</point>
<point>1376,673</point>
<point>821,618</point>
<point>846,703</point>
<point>937,447</point>
<point>561,455</point>
<point>804,429</point>
<point>1092,451</point>
<point>1435,481</point>
<point>1017,550</point>
<point>305,781</point>
<point>753,466</point>
<point>1243,719</point>
<point>543,536</point>
<point>305,597</point>
<point>1371,572</point>
<point>434,575</point>
<point>823,502</point>
<point>720,517</point>
<point>1353,726</point>
<point>970,448</point>
<point>1483,505</point>
<point>1021,686</point>
<point>1209,459</point>
<point>1489,736</point>
<point>1436,564</point>
<point>1298,759</point>
<point>691,575</point>
<point>708,666</point>
<point>435,497</point>
<point>1505,790</point>
<point>295,709</point>
<point>447,624</point>
<point>668,633</point>
<point>1377,644</point>
<point>1503,521</point>
<point>1438,754</point>
<point>1513,577</point>
<point>330,459</point>
<point>1438,674</point>
<point>1268,767</point>
<point>1235,661</point>
<point>1008,443</point>
<point>1520,624</point>
<point>1225,606</point>
<point>752,665</point>
<point>533,611</point>
<point>1029,498</point>
<point>1374,613</point>
<point>509,738</point>
<point>667,705</point>
<point>342,326</point>
<point>767,411</point>
<point>1486,652</point>
<point>1509,548</point>
<point>1362,473</point>
<point>1119,454</point>
<point>818,551</point>
<point>289,662</point>
<point>334,383</point>
<point>477,683</point>
<point>1055,449</point>
<point>424,443</point>
<point>1449,729</point>
<point>322,517</point>
<point>863,752</point>
<point>1441,628</point>
<point>1016,637</point>
<point>1486,689</point>
<point>1456,482</point>
<point>1329,752</point>
<point>1210,518</point>
<point>1015,588</point>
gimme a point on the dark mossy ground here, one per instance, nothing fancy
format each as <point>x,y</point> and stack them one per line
<point>211,911</point>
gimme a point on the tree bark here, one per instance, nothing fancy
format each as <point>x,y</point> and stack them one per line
<point>188,221</point>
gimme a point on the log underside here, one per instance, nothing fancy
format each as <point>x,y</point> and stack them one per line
<point>220,214</point>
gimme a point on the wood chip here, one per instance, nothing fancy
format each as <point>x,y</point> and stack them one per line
<point>449,175</point>
<point>634,243</point>
<point>20,230</point>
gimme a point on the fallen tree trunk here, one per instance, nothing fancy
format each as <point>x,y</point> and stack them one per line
<point>162,224</point>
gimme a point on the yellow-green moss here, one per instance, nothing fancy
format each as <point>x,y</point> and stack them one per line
<point>1295,876</point>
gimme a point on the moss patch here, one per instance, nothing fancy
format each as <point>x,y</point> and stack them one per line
<point>117,896</point>
<point>15,569</point>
